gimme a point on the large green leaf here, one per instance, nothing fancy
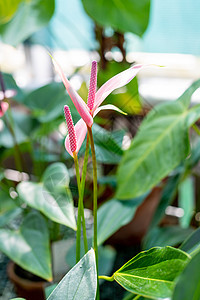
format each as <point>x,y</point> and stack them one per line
<point>8,216</point>
<point>46,103</point>
<point>188,284</point>
<point>192,244</point>
<point>166,236</point>
<point>113,215</point>
<point>56,177</point>
<point>159,146</point>
<point>152,273</point>
<point>29,247</point>
<point>52,197</point>
<point>30,17</point>
<point>80,282</point>
<point>56,206</point>
<point>131,15</point>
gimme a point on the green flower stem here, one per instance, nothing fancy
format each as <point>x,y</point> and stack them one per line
<point>107,278</point>
<point>83,177</point>
<point>94,203</point>
<point>81,186</point>
<point>78,233</point>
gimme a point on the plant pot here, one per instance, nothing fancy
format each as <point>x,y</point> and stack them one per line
<point>30,290</point>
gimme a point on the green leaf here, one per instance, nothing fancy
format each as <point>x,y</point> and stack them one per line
<point>107,146</point>
<point>57,206</point>
<point>6,202</point>
<point>186,200</point>
<point>56,177</point>
<point>166,236</point>
<point>192,244</point>
<point>106,256</point>
<point>167,197</point>
<point>22,125</point>
<point>8,9</point>
<point>47,102</point>
<point>188,283</point>
<point>8,216</point>
<point>133,14</point>
<point>29,18</point>
<point>80,282</point>
<point>10,84</point>
<point>152,273</point>
<point>29,247</point>
<point>159,146</point>
<point>113,215</point>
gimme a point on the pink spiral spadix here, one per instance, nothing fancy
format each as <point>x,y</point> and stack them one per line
<point>93,86</point>
<point>71,130</point>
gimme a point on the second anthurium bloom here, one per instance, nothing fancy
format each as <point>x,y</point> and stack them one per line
<point>95,98</point>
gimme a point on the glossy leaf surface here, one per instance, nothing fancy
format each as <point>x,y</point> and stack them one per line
<point>159,146</point>
<point>56,206</point>
<point>152,273</point>
<point>80,282</point>
<point>29,247</point>
<point>56,177</point>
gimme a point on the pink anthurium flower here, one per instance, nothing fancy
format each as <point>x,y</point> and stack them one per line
<point>89,111</point>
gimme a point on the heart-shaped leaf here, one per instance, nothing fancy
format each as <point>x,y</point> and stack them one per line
<point>29,247</point>
<point>56,177</point>
<point>56,206</point>
<point>188,283</point>
<point>80,282</point>
<point>159,146</point>
<point>122,16</point>
<point>52,197</point>
<point>152,273</point>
